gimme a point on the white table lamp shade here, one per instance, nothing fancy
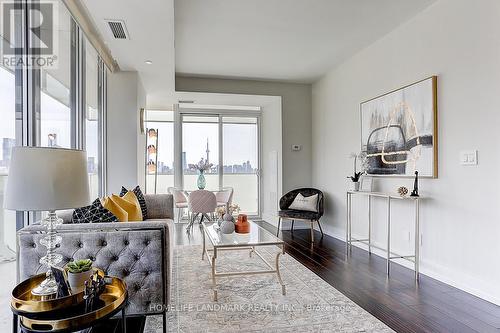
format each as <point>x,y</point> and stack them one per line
<point>47,179</point>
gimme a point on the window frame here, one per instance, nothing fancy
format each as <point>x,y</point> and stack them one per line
<point>28,95</point>
<point>196,110</point>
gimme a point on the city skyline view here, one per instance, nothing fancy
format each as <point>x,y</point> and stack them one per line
<point>240,154</point>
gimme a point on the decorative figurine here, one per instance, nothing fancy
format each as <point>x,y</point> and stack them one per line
<point>242,226</point>
<point>414,193</point>
<point>94,287</point>
<point>227,225</point>
<point>402,191</point>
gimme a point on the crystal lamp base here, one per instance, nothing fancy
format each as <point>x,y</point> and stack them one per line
<point>50,241</point>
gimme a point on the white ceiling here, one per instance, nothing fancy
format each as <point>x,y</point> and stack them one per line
<point>285,40</point>
<point>150,25</point>
<point>291,40</point>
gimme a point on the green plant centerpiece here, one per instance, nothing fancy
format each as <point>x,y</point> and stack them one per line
<point>79,271</point>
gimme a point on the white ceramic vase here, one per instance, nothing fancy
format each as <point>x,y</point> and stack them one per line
<point>227,227</point>
<point>77,280</point>
<point>356,186</point>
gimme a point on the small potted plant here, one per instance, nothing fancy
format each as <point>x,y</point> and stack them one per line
<point>79,271</point>
<point>357,174</point>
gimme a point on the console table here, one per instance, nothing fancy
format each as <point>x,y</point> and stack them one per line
<point>390,255</point>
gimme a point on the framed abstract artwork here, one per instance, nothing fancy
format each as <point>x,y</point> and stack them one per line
<point>399,131</point>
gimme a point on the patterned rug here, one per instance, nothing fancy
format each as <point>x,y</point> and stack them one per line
<point>255,303</point>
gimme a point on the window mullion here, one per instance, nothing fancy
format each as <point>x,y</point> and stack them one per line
<point>221,158</point>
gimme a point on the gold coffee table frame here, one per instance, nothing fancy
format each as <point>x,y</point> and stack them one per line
<point>258,236</point>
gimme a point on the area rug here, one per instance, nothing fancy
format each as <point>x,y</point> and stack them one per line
<point>255,303</point>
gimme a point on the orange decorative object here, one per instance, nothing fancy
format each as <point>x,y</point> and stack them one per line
<point>242,226</point>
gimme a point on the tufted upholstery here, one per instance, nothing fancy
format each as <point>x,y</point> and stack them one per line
<point>138,252</point>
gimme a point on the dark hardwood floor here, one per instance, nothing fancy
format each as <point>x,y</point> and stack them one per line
<point>403,305</point>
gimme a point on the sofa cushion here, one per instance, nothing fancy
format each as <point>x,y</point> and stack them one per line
<point>95,213</point>
<point>160,206</point>
<point>140,197</point>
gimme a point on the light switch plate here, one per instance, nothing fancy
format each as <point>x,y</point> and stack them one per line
<point>296,147</point>
<point>468,157</point>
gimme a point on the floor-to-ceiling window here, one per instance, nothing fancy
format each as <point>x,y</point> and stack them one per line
<point>240,154</point>
<point>230,142</point>
<point>59,103</point>
<point>8,135</point>
<point>92,117</point>
<point>200,144</point>
<point>55,89</point>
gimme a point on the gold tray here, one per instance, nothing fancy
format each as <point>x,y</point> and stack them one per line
<point>113,298</point>
<point>23,301</point>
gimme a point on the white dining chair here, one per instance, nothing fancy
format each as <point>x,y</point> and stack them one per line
<point>201,202</point>
<point>180,201</point>
<point>225,197</point>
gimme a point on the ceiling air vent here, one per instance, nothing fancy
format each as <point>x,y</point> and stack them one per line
<point>118,29</point>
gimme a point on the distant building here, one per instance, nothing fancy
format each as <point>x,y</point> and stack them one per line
<point>91,165</point>
<point>208,153</point>
<point>184,161</point>
<point>7,145</point>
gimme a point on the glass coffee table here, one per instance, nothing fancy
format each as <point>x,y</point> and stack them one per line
<point>257,237</point>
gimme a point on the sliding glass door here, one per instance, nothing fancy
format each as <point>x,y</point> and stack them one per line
<point>231,145</point>
<point>200,144</point>
<point>240,154</point>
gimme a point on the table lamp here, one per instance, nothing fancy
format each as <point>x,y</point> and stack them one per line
<point>47,179</point>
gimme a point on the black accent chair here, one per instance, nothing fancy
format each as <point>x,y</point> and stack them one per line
<point>291,214</point>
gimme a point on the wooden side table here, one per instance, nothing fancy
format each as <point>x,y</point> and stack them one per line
<point>63,315</point>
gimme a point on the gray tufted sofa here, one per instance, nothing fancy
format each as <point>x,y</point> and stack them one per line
<point>138,252</point>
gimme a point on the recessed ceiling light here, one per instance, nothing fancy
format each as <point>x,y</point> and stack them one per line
<point>148,62</point>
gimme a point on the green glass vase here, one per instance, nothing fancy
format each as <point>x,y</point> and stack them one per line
<point>201,182</point>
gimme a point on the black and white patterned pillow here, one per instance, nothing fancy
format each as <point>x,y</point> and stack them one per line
<point>95,213</point>
<point>140,197</point>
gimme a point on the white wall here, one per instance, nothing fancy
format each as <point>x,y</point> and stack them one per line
<point>125,97</point>
<point>141,138</point>
<point>458,40</point>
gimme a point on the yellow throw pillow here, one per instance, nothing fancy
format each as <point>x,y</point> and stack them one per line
<point>113,207</point>
<point>126,208</point>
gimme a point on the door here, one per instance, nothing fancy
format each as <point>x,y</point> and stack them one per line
<point>241,161</point>
<point>231,145</point>
<point>200,145</point>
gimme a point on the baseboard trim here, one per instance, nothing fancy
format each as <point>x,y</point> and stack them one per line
<point>426,268</point>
